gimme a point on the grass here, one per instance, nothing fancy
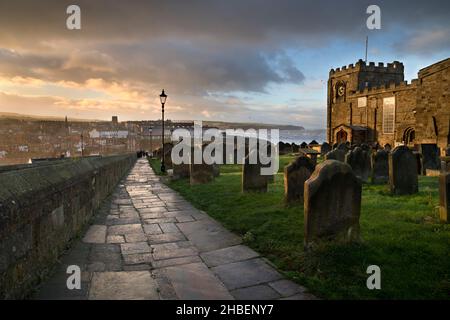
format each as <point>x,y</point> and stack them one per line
<point>401,234</point>
<point>156,166</point>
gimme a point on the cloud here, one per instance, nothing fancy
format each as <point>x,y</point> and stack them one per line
<point>425,42</point>
<point>207,54</point>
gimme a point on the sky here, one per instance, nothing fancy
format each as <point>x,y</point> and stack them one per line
<point>229,60</point>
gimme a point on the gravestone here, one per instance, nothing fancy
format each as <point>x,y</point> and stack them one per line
<point>325,148</point>
<point>344,146</point>
<point>380,167</point>
<point>419,160</point>
<point>447,151</point>
<point>430,156</point>
<point>403,171</point>
<point>445,164</point>
<point>284,148</point>
<point>295,175</point>
<point>252,179</point>
<point>444,196</point>
<point>216,169</point>
<point>336,154</point>
<point>387,147</point>
<point>365,147</point>
<point>332,204</point>
<point>201,173</point>
<point>180,171</point>
<point>359,160</point>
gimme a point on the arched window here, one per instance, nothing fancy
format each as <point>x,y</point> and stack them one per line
<point>409,136</point>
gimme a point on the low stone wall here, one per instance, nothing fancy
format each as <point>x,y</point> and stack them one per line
<point>44,206</point>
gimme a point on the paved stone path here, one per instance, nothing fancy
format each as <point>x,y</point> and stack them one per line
<point>147,242</point>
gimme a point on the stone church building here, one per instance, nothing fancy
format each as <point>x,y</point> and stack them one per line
<point>373,104</point>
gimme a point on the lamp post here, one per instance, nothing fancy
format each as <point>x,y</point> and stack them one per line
<point>163,98</point>
<point>82,145</point>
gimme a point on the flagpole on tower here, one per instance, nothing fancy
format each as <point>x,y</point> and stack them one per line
<point>367,45</point>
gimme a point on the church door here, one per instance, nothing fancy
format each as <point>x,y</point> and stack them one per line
<point>341,136</point>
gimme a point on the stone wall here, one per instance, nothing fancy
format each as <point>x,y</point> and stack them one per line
<point>433,104</point>
<point>43,207</point>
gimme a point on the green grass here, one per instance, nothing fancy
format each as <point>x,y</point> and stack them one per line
<point>401,234</point>
<point>156,166</point>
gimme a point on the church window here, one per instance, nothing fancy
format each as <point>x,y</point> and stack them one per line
<point>388,115</point>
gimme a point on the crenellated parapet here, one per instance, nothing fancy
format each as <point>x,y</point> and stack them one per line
<point>361,66</point>
<point>391,86</point>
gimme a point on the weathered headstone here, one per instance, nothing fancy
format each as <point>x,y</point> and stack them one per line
<point>336,154</point>
<point>252,179</point>
<point>445,164</point>
<point>284,148</point>
<point>419,161</point>
<point>180,171</point>
<point>387,147</point>
<point>447,151</point>
<point>430,156</point>
<point>216,169</point>
<point>325,148</point>
<point>359,160</point>
<point>444,196</point>
<point>332,203</point>
<point>295,175</point>
<point>365,147</point>
<point>201,173</point>
<point>380,167</point>
<point>403,171</point>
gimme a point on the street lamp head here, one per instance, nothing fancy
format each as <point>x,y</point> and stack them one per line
<point>163,97</point>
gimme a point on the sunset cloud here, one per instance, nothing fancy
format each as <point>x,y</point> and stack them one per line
<point>227,60</point>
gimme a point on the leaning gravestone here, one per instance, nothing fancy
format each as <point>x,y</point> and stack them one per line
<point>444,196</point>
<point>252,179</point>
<point>332,204</point>
<point>201,173</point>
<point>380,167</point>
<point>359,160</point>
<point>325,148</point>
<point>336,154</point>
<point>295,175</point>
<point>403,171</point>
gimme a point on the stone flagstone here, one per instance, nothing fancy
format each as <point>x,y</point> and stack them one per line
<point>147,242</point>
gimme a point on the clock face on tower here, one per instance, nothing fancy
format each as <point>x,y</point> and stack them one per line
<point>340,89</point>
